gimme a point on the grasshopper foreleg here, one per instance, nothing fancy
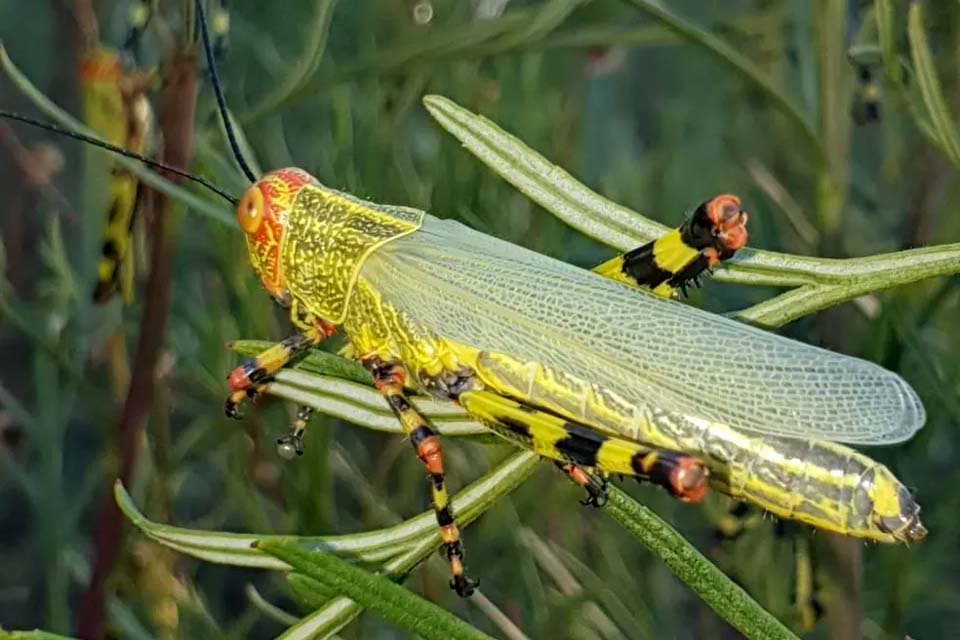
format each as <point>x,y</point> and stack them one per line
<point>388,379</point>
<point>247,380</point>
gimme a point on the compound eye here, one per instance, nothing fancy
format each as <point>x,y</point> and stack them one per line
<point>250,210</point>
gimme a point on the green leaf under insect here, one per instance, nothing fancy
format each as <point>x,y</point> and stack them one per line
<point>721,594</point>
<point>819,282</point>
<point>374,592</point>
<point>318,371</point>
<point>399,548</point>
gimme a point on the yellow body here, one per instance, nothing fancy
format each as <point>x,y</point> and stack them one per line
<point>465,313</point>
<point>816,482</point>
<point>123,120</point>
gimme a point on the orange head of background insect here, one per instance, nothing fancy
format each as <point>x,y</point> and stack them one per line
<point>262,214</point>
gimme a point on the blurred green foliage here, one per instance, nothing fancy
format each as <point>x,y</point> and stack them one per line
<point>613,92</point>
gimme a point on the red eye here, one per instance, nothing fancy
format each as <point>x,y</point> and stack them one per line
<point>250,210</point>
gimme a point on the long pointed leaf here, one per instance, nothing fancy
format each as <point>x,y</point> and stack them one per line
<point>374,592</point>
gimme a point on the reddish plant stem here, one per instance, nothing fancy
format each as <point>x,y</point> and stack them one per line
<point>176,125</point>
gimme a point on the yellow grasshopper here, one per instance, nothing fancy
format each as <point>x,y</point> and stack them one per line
<point>574,364</point>
<point>116,107</point>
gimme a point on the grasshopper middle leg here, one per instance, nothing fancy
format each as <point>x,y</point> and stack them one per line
<point>388,379</point>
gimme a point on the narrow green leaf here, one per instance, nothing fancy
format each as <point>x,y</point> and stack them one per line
<point>886,33</point>
<point>374,592</point>
<point>319,362</point>
<point>718,591</point>
<point>590,213</point>
<point>305,64</point>
<point>375,546</point>
<point>823,281</point>
<point>893,69</point>
<point>548,18</point>
<point>309,592</point>
<point>736,61</point>
<point>267,608</point>
<point>450,42</point>
<point>866,275</point>
<point>331,614</point>
<point>35,634</point>
<point>946,131</point>
<point>338,612</point>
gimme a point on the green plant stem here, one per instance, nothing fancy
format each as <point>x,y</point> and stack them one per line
<point>821,281</point>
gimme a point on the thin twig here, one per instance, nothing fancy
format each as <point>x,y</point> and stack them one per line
<point>176,123</point>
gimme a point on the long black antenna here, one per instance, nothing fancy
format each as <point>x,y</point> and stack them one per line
<point>120,150</point>
<point>218,91</point>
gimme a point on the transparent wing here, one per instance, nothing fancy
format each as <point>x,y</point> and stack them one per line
<point>498,297</point>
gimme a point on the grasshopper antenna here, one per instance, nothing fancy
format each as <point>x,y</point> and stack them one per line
<point>118,150</point>
<point>218,91</point>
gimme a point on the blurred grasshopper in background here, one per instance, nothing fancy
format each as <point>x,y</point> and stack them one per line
<point>573,364</point>
<point>116,107</point>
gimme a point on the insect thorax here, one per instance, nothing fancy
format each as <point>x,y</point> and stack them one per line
<point>327,237</point>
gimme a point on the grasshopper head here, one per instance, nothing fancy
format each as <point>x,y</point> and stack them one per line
<point>262,215</point>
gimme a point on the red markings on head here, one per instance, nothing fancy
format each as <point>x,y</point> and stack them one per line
<point>262,214</point>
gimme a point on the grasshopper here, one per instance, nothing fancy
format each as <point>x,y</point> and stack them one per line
<point>586,371</point>
<point>116,107</point>
<point>573,364</point>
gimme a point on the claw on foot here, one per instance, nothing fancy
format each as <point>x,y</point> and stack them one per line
<point>463,585</point>
<point>596,492</point>
<point>292,444</point>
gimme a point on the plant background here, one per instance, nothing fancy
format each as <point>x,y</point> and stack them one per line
<point>634,111</point>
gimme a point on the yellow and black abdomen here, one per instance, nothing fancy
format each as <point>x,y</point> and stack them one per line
<point>823,484</point>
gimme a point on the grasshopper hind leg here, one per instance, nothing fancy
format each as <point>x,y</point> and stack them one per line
<point>388,379</point>
<point>577,447</point>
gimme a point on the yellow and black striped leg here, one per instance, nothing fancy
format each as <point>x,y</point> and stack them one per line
<point>246,380</point>
<point>291,445</point>
<point>388,379</point>
<point>577,446</point>
<point>596,487</point>
<point>715,231</point>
